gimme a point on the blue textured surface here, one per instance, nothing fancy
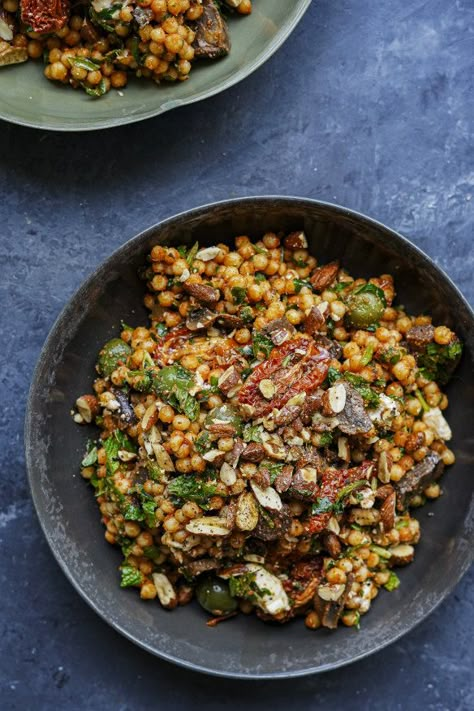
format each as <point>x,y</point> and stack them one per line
<point>369,105</point>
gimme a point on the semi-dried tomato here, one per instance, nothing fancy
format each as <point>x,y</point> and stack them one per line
<point>297,366</point>
<point>45,15</point>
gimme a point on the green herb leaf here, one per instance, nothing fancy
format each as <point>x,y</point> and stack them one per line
<point>300,283</point>
<point>91,456</point>
<point>161,330</point>
<point>190,488</point>
<point>246,314</point>
<point>239,294</point>
<point>332,375</point>
<point>381,552</point>
<point>326,439</point>
<point>422,400</point>
<point>173,383</point>
<point>367,355</point>
<point>83,63</point>
<point>261,344</point>
<point>437,362</point>
<point>130,576</point>
<point>97,91</point>
<point>113,445</point>
<point>392,583</point>
<point>259,277</point>
<point>322,505</point>
<point>192,253</point>
<point>370,397</point>
<point>202,443</point>
<point>252,433</point>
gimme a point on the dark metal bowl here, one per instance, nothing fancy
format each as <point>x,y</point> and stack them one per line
<point>244,647</point>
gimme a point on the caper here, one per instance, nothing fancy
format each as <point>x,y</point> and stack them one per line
<point>114,352</point>
<point>214,596</point>
<point>364,309</point>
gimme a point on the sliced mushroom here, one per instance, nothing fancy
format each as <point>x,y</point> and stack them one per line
<point>212,36</point>
<point>401,554</point>
<point>200,318</point>
<point>417,479</point>
<point>125,408</point>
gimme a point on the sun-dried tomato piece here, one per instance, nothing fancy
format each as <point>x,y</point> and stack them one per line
<point>45,15</point>
<point>297,366</point>
<point>333,482</point>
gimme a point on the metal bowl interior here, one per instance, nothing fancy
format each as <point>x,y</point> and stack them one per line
<point>27,98</point>
<point>244,647</point>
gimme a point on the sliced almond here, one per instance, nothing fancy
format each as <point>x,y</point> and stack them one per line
<point>246,517</point>
<point>267,388</point>
<point>166,593</point>
<point>162,457</point>
<point>384,467</point>
<point>208,526</point>
<point>88,407</point>
<point>150,417</point>
<point>269,498</point>
<point>333,525</point>
<point>208,253</point>
<point>126,456</point>
<point>343,449</point>
<point>337,397</point>
<point>331,593</point>
<point>212,455</point>
<point>228,475</point>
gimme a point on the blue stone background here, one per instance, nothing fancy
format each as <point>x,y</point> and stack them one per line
<point>369,104</point>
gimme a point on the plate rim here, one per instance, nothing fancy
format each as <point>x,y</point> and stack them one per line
<point>34,483</point>
<point>241,74</point>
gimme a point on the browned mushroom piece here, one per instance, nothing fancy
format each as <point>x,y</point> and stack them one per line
<point>417,479</point>
<point>353,419</point>
<point>197,567</point>
<point>212,36</point>
<point>126,411</point>
<point>274,525</point>
<point>279,331</point>
<point>333,347</point>
<point>313,321</point>
<point>330,611</point>
<point>200,318</point>
<point>332,544</point>
<point>418,337</point>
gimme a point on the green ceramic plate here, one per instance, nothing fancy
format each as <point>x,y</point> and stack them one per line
<point>27,98</point>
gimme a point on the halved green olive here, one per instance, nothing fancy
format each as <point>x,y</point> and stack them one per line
<point>214,596</point>
<point>365,309</point>
<point>114,352</point>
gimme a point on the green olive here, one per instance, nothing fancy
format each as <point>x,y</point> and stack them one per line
<point>114,352</point>
<point>225,414</point>
<point>364,309</point>
<point>214,596</point>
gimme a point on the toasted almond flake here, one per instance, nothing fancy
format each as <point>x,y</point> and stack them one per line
<point>125,456</point>
<point>78,419</point>
<point>333,525</point>
<point>384,467</point>
<point>212,455</point>
<point>185,275</point>
<point>228,475</point>
<point>297,399</point>
<point>252,558</point>
<point>331,593</point>
<point>323,307</point>
<point>268,498</point>
<point>208,526</point>
<point>402,554</point>
<point>337,397</point>
<point>208,253</point>
<point>343,449</point>
<point>246,517</point>
<point>166,593</point>
<point>365,498</point>
<point>267,388</point>
<point>150,417</point>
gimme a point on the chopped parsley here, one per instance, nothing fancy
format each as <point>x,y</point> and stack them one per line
<point>261,344</point>
<point>190,488</point>
<point>239,294</point>
<point>173,383</point>
<point>392,583</point>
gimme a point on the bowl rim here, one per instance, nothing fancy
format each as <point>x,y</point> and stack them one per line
<point>34,483</point>
<point>279,38</point>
